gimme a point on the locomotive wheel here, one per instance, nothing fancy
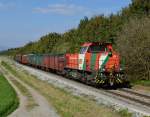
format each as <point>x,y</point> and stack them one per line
<point>67,75</point>
<point>91,79</point>
<point>111,82</point>
<point>87,76</point>
<point>83,77</point>
<point>95,78</point>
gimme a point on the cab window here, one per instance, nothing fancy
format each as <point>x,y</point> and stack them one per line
<point>83,50</point>
<point>97,48</point>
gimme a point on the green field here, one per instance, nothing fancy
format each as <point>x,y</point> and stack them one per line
<point>8,97</point>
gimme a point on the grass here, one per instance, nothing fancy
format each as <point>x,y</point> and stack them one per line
<point>30,101</point>
<point>141,85</point>
<point>9,68</point>
<point>66,104</point>
<point>125,113</point>
<point>8,97</point>
<point>142,82</point>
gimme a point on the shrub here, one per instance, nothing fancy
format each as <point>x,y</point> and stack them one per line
<point>134,46</point>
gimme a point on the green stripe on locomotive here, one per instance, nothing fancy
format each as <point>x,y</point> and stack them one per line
<point>105,61</point>
<point>93,61</point>
<point>84,64</point>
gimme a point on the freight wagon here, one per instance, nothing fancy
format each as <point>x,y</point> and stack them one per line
<point>53,62</point>
<point>18,58</point>
<point>96,64</point>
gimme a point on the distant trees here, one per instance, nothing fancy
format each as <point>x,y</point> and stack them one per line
<point>138,8</point>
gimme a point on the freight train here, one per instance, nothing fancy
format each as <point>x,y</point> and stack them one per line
<point>96,64</point>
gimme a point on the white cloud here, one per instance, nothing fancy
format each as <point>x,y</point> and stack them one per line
<point>70,9</point>
<point>63,9</point>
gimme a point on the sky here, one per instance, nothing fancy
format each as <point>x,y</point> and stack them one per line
<point>22,21</point>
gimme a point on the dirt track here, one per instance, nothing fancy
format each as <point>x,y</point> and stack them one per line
<point>41,107</point>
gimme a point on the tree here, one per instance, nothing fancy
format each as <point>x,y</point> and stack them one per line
<point>134,45</point>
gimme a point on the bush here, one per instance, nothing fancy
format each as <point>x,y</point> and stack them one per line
<point>134,45</point>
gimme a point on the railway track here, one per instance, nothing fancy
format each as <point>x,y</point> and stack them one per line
<point>133,96</point>
<point>135,92</point>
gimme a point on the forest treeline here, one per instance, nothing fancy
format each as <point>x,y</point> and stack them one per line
<point>128,30</point>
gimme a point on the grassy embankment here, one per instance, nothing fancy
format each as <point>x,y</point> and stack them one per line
<point>66,104</point>
<point>142,83</point>
<point>8,97</point>
<point>141,86</point>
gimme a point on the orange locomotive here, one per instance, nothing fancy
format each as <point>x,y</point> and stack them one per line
<point>97,63</point>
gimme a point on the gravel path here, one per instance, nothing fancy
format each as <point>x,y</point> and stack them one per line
<point>42,107</point>
<point>93,93</point>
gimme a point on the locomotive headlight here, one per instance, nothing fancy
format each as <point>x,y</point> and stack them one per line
<point>121,69</point>
<point>103,69</point>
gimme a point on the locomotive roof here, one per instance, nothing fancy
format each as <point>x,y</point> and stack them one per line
<point>96,43</point>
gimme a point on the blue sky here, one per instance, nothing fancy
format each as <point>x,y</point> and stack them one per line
<point>22,21</point>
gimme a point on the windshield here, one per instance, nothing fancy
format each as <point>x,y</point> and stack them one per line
<point>97,48</point>
<point>83,50</point>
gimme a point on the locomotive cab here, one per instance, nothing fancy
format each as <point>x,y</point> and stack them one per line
<point>102,61</point>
